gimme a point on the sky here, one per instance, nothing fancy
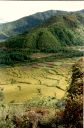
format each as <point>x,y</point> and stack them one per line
<point>13,10</point>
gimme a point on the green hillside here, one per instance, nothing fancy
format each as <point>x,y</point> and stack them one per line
<point>25,23</point>
<point>32,21</point>
<point>59,34</point>
<point>60,30</point>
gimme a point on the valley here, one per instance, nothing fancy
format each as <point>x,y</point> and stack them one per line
<point>41,70</point>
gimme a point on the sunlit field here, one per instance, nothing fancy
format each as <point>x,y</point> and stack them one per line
<point>23,82</point>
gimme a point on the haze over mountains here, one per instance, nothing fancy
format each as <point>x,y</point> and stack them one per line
<point>2,21</point>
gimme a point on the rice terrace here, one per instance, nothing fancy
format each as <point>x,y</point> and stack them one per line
<point>20,83</point>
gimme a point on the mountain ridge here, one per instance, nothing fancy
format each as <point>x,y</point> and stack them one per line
<point>21,25</point>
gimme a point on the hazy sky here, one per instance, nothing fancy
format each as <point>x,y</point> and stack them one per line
<point>12,10</point>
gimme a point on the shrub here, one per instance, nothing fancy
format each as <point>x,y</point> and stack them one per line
<point>73,115</point>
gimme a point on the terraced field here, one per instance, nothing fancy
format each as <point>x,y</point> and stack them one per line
<point>22,82</point>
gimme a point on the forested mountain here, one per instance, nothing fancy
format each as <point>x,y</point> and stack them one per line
<point>25,23</point>
<point>28,22</point>
<point>51,31</point>
<point>60,30</point>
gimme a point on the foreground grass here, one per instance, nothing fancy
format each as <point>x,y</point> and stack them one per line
<point>13,116</point>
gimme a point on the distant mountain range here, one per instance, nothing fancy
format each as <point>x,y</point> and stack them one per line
<point>28,22</point>
<point>55,27</point>
<point>82,11</point>
<point>25,23</point>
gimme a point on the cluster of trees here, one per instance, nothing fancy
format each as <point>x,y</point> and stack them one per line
<point>12,56</point>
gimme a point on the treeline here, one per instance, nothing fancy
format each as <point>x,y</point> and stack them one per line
<point>12,56</point>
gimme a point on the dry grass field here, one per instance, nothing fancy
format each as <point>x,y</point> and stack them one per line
<point>23,82</point>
